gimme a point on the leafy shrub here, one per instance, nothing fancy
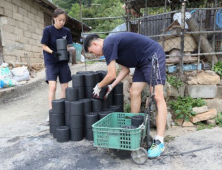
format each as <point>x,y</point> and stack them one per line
<point>218,68</point>
<point>182,107</point>
<point>218,119</point>
<point>174,81</point>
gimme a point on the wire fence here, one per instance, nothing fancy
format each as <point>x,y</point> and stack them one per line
<point>190,32</point>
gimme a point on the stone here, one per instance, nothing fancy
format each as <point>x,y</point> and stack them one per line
<point>219,92</point>
<point>210,72</point>
<point>210,122</point>
<point>212,113</point>
<point>179,122</point>
<point>202,91</point>
<point>192,81</point>
<point>187,124</point>
<point>214,104</point>
<point>207,79</point>
<point>199,110</point>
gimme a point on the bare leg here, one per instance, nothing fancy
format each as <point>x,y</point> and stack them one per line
<point>162,110</point>
<point>52,90</point>
<point>135,96</point>
<point>63,90</point>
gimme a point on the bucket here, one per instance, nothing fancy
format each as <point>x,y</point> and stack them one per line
<point>78,48</point>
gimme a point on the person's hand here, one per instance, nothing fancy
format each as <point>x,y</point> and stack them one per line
<point>109,89</point>
<point>96,91</point>
<point>56,54</point>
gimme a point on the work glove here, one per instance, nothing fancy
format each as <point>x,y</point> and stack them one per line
<point>96,91</point>
<point>56,54</point>
<point>109,89</point>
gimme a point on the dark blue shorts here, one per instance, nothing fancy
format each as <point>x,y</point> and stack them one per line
<point>61,71</point>
<point>143,73</point>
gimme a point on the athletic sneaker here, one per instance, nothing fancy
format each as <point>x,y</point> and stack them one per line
<point>156,149</point>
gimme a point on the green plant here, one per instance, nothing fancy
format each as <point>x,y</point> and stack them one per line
<point>182,107</point>
<point>127,108</point>
<point>218,119</point>
<point>91,62</point>
<point>218,68</point>
<point>201,126</point>
<point>174,81</point>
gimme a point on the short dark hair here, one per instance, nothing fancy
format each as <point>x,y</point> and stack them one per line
<point>87,42</point>
<point>59,11</point>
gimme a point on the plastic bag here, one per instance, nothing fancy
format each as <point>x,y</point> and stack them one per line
<point>25,77</point>
<point>177,16</point>
<point>7,82</point>
<point>19,71</point>
<point>5,73</point>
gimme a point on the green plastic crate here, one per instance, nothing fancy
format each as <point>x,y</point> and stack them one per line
<point>108,133</point>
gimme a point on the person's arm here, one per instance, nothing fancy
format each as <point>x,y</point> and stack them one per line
<point>111,74</point>
<point>46,48</point>
<point>122,74</point>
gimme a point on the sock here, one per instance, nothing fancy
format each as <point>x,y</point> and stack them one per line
<point>160,138</point>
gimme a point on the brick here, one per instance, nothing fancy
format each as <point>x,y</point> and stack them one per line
<point>11,21</point>
<point>8,13</point>
<point>39,32</point>
<point>6,51</point>
<point>31,16</point>
<point>6,5</point>
<point>18,31</point>
<point>27,20</point>
<point>8,43</point>
<point>8,28</point>
<point>2,11</point>
<point>35,36</point>
<point>41,26</point>
<point>31,28</point>
<point>35,24</point>
<point>32,42</point>
<point>26,6</point>
<point>27,34</point>
<point>17,16</point>
<point>28,47</point>
<point>15,8</point>
<point>23,26</point>
<point>9,36</point>
<point>39,19</point>
<point>34,11</point>
<point>202,91</point>
<point>23,12</point>
<point>17,2</point>
<point>41,14</point>
<point>212,113</point>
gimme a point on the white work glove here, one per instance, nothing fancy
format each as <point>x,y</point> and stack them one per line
<point>96,91</point>
<point>109,89</point>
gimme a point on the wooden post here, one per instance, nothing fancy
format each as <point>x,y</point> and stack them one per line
<point>205,45</point>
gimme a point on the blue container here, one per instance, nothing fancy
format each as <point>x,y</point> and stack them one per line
<point>78,48</point>
<point>186,67</point>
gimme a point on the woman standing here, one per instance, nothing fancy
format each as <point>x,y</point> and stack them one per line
<point>53,67</point>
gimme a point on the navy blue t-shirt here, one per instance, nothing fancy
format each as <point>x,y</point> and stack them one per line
<point>50,35</point>
<point>129,49</point>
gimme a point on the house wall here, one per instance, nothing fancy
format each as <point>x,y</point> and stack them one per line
<point>21,24</point>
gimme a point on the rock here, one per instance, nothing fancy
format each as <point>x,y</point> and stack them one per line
<point>219,92</point>
<point>179,122</point>
<point>210,72</point>
<point>207,79</point>
<point>199,110</point>
<point>192,81</point>
<point>210,122</point>
<point>187,124</point>
<point>202,91</point>
<point>221,82</point>
<point>212,113</point>
<point>214,104</point>
<point>169,120</point>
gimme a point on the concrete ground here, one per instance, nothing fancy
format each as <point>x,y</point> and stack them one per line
<point>25,142</point>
